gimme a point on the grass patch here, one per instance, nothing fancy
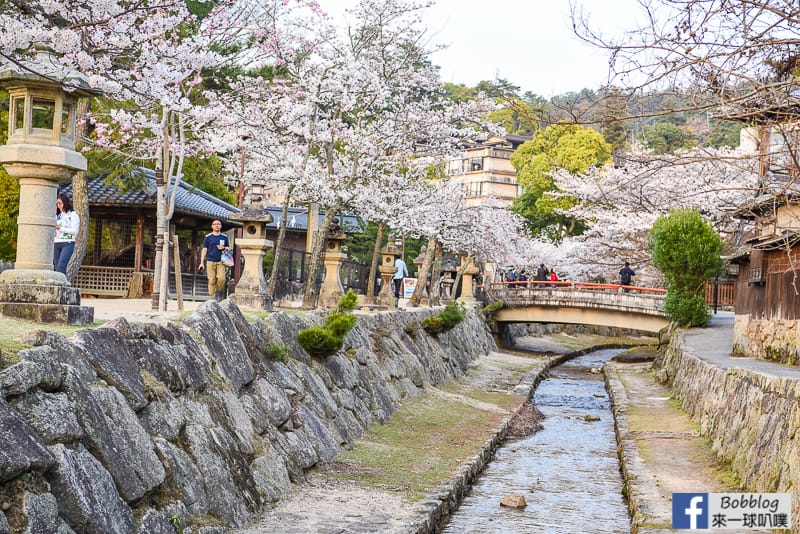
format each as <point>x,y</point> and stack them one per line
<point>12,329</point>
<point>420,447</point>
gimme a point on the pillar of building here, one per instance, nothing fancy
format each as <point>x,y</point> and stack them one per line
<point>251,290</point>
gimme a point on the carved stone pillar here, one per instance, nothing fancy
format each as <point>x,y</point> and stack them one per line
<point>40,152</point>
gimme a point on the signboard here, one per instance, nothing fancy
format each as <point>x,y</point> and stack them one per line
<point>409,284</point>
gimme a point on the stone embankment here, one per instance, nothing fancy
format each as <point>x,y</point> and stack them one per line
<point>193,426</point>
<point>751,415</point>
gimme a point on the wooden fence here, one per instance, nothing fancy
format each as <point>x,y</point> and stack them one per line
<point>726,292</point>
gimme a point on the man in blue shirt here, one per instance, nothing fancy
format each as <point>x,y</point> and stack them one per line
<point>400,272</point>
<point>213,246</point>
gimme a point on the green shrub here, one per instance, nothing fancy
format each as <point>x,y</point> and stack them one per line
<point>326,340</point>
<point>489,309</point>
<point>433,325</point>
<point>340,323</point>
<point>686,309</point>
<point>452,314</point>
<point>348,301</point>
<point>319,341</point>
<point>277,352</point>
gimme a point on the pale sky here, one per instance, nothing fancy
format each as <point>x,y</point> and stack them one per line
<point>527,42</point>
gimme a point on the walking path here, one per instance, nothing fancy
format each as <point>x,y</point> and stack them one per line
<point>662,450</point>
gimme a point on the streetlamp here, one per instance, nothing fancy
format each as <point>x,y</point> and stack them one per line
<point>40,153</point>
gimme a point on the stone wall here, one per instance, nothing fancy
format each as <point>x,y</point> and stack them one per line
<point>143,427</point>
<point>751,419</point>
<point>774,339</point>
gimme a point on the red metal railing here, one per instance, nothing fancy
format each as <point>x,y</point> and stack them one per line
<point>566,284</point>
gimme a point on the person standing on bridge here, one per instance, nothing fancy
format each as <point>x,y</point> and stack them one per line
<point>625,275</point>
<point>542,275</point>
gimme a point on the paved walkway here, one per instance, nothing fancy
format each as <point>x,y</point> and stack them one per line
<point>661,449</point>
<point>135,309</point>
<point>714,344</point>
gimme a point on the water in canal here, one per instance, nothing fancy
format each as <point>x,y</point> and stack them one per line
<point>568,471</point>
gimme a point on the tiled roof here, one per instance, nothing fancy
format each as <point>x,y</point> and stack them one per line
<point>188,201</point>
<point>297,219</point>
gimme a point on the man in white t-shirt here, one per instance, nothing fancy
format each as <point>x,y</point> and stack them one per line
<point>400,272</point>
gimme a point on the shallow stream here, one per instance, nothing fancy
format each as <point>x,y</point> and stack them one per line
<point>568,472</point>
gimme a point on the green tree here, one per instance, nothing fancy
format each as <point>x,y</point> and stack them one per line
<point>724,133</point>
<point>686,250</point>
<point>666,138</point>
<point>560,146</point>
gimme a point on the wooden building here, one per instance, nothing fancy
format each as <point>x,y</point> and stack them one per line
<point>767,323</point>
<point>120,252</point>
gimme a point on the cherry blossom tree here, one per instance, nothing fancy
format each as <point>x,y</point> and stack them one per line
<point>620,204</point>
<point>359,108</point>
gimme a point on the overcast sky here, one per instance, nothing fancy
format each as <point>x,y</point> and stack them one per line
<point>527,42</point>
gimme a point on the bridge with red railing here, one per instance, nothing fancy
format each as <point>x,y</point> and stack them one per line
<point>634,307</point>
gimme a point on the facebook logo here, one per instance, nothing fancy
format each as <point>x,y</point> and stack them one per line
<point>690,510</point>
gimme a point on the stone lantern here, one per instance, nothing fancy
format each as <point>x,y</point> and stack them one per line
<point>467,297</point>
<point>251,290</point>
<point>332,290</point>
<point>389,254</point>
<point>40,153</point>
<point>447,281</point>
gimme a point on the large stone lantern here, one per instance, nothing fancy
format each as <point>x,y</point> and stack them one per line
<point>446,282</point>
<point>251,290</point>
<point>332,290</point>
<point>467,294</point>
<point>40,153</point>
<point>389,254</point>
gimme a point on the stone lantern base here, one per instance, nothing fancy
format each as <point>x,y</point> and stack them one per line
<point>21,298</point>
<point>256,301</point>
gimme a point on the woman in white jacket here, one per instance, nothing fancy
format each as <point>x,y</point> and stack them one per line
<point>67,224</point>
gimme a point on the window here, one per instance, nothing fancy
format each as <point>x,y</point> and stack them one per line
<point>476,164</point>
<point>19,113</point>
<point>473,189</point>
<point>42,112</point>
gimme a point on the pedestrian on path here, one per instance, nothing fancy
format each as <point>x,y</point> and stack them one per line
<point>400,272</point>
<point>68,222</point>
<point>625,275</point>
<point>214,245</point>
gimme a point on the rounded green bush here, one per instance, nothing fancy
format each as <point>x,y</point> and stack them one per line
<point>433,325</point>
<point>319,341</point>
<point>686,309</point>
<point>340,323</point>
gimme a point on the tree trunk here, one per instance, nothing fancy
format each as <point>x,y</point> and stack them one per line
<point>273,276</point>
<point>80,195</point>
<point>373,266</point>
<point>436,279</point>
<point>422,275</point>
<point>311,291</point>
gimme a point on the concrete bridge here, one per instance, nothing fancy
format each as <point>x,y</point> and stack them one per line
<point>639,308</point>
